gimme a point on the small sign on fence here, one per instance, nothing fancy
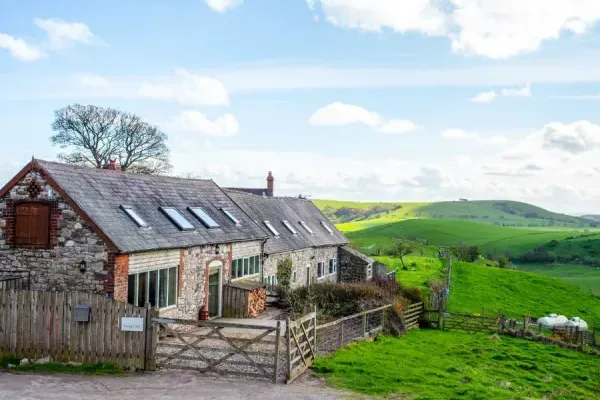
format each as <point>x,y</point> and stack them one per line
<point>132,324</point>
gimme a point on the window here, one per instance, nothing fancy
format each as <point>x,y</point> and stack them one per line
<point>32,224</point>
<point>158,287</point>
<point>270,280</point>
<point>369,271</point>
<point>243,267</point>
<point>290,227</point>
<point>320,270</point>
<point>272,228</point>
<point>176,218</point>
<point>203,217</point>
<point>230,216</point>
<point>333,266</point>
<point>134,216</point>
<point>294,275</point>
<point>327,228</point>
<point>305,226</point>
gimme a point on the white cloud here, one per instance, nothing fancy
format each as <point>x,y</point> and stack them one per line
<point>397,126</point>
<point>195,121</point>
<point>188,89</point>
<point>340,114</point>
<point>460,134</point>
<point>62,34</point>
<point>497,29</point>
<point>484,97</point>
<point>20,49</point>
<point>92,81</point>
<point>461,161</point>
<point>522,92</point>
<point>575,138</point>
<point>222,6</point>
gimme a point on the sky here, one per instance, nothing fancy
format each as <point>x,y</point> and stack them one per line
<point>369,100</point>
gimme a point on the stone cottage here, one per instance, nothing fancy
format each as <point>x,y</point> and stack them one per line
<point>297,230</point>
<point>142,239</point>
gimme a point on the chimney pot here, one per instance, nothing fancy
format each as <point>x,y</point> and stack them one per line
<point>270,184</point>
<point>112,165</point>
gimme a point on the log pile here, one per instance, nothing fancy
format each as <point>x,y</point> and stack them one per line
<point>257,300</point>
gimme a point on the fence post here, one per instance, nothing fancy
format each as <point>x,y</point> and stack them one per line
<point>364,324</point>
<point>277,338</point>
<point>524,325</point>
<point>315,332</point>
<point>151,339</point>
<point>501,327</point>
<point>288,336</point>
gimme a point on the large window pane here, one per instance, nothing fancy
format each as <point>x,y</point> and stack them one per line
<point>162,287</point>
<point>152,285</point>
<point>234,268</point>
<point>131,289</point>
<point>142,289</point>
<point>246,265</point>
<point>172,286</point>
<point>251,266</point>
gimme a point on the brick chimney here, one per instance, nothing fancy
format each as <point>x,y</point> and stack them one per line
<point>112,165</point>
<point>270,185</point>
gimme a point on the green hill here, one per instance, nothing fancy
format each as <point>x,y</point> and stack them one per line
<point>352,216</point>
<point>493,239</point>
<point>586,277</point>
<point>517,293</point>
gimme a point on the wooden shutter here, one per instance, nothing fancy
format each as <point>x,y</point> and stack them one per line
<point>32,224</point>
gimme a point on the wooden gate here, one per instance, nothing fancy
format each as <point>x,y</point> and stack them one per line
<point>301,338</point>
<point>220,347</point>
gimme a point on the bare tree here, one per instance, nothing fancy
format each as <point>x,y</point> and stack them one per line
<point>95,135</point>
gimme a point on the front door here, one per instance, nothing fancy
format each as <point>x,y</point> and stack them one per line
<point>214,292</point>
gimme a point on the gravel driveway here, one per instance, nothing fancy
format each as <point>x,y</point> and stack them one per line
<point>159,385</point>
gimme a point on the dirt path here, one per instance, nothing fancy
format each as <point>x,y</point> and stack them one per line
<point>160,385</point>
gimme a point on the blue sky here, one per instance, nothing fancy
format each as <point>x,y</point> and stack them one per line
<point>351,99</point>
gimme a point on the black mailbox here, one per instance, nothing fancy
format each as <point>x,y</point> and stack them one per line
<point>82,313</point>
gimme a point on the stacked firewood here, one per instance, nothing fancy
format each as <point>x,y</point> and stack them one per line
<point>257,300</point>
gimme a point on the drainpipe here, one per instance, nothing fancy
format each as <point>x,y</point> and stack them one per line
<point>262,258</point>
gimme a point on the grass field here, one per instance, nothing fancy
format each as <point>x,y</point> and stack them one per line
<point>518,293</point>
<point>493,239</point>
<point>425,269</point>
<point>431,364</point>
<point>489,212</point>
<point>584,276</point>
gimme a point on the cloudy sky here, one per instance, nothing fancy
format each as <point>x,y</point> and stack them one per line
<point>348,99</point>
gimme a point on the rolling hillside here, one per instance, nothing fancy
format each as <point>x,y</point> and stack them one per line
<point>493,239</point>
<point>352,216</point>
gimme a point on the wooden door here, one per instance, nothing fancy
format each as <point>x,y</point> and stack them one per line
<point>32,224</point>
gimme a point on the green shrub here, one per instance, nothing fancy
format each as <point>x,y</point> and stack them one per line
<point>284,273</point>
<point>414,294</point>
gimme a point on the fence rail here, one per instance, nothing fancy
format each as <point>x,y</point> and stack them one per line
<point>301,336</point>
<point>38,324</point>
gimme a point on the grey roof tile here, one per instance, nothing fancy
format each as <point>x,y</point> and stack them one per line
<point>100,193</point>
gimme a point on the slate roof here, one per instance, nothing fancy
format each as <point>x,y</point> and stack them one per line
<point>360,255</point>
<point>293,210</point>
<point>254,191</point>
<point>99,194</point>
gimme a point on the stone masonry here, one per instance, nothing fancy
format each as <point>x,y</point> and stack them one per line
<point>354,266</point>
<point>71,241</point>
<point>304,262</point>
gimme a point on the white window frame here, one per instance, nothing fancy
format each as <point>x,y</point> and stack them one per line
<point>270,280</point>
<point>137,284</point>
<point>321,270</point>
<point>173,214</point>
<point>271,228</point>
<point>289,227</point>
<point>370,271</point>
<point>203,217</point>
<point>134,216</point>
<point>231,217</point>
<point>327,228</point>
<point>244,270</point>
<point>332,263</point>
<point>305,226</point>
<point>294,274</point>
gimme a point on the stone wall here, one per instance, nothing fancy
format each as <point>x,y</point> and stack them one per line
<point>304,263</point>
<point>353,266</point>
<point>71,241</point>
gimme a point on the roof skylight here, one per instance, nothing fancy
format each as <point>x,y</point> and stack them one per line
<point>272,228</point>
<point>176,218</point>
<point>327,227</point>
<point>289,226</point>
<point>305,226</point>
<point>206,220</point>
<point>134,216</point>
<point>230,216</point>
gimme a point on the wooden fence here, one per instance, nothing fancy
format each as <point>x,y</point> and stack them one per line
<point>221,347</point>
<point>467,322</point>
<point>411,316</point>
<point>235,302</point>
<point>38,324</point>
<point>301,336</point>
<point>13,282</point>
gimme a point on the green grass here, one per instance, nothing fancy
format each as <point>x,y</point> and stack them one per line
<point>55,368</point>
<point>426,269</point>
<point>489,212</point>
<point>585,277</point>
<point>493,239</point>
<point>431,364</point>
<point>518,293</point>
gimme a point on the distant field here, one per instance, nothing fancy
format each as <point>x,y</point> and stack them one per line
<point>351,216</point>
<point>438,365</point>
<point>518,293</point>
<point>425,269</point>
<point>493,239</point>
<point>584,276</point>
